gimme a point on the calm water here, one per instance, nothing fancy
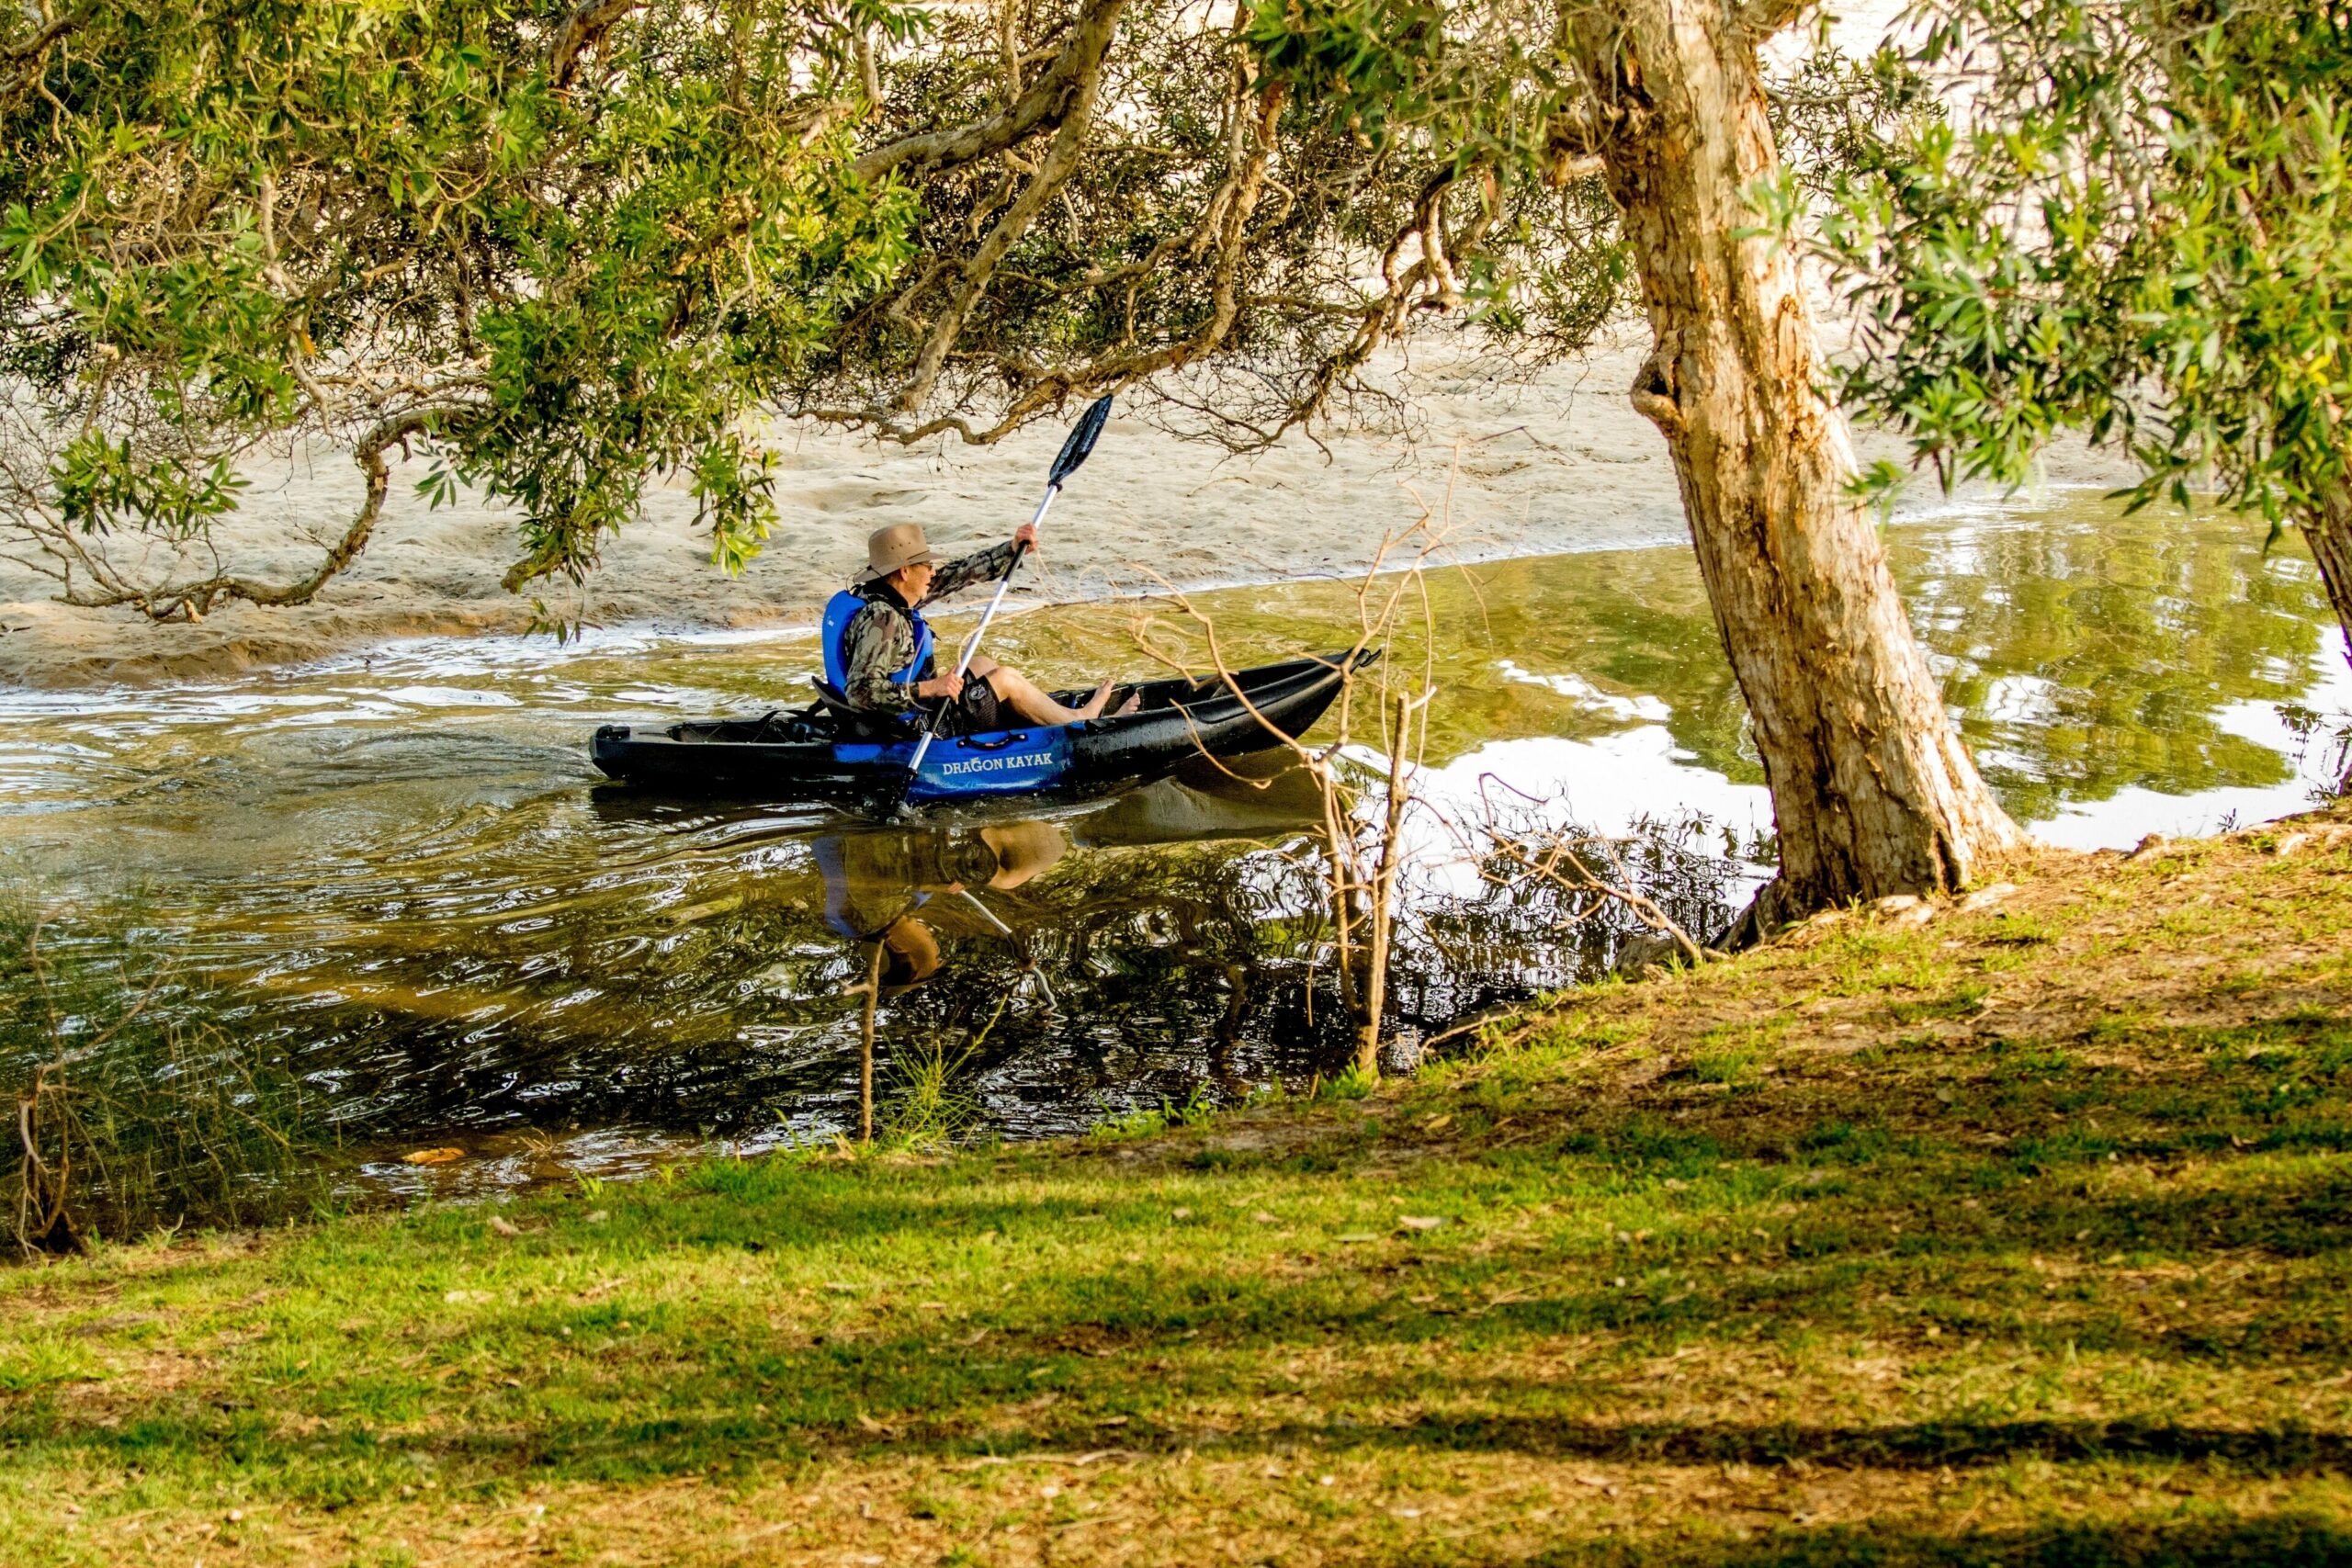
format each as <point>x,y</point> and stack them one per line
<point>400,872</point>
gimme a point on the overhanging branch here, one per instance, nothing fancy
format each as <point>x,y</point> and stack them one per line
<point>192,600</point>
<point>1763,18</point>
<point>1044,103</point>
<point>579,34</point>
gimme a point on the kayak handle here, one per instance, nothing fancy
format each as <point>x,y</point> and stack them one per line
<point>978,745</point>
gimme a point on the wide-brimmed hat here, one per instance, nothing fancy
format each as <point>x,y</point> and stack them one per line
<point>887,549</point>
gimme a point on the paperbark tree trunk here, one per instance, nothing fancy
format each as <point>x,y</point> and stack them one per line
<point>1873,791</point>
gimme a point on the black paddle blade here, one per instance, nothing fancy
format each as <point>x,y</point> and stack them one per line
<point>1081,442</point>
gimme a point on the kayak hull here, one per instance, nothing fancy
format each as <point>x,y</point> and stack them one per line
<point>811,755</point>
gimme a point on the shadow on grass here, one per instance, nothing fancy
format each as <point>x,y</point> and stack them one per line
<point>1918,1446</point>
<point>698,1389</point>
<point>808,1417</point>
<point>2281,1542</point>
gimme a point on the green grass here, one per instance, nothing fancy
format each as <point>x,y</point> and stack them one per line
<point>2034,1261</point>
<point>1150,1120</point>
<point>928,1106</point>
<point>1729,1065</point>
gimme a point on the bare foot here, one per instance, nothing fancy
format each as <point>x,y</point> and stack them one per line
<point>1132,705</point>
<point>1093,706</point>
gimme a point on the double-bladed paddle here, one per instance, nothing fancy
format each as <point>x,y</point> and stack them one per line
<point>1073,453</point>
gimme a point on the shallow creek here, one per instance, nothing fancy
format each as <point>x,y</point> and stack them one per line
<point>401,872</point>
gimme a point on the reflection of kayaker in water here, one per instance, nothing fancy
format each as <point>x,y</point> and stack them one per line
<point>894,887</point>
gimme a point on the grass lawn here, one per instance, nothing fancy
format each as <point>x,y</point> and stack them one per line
<point>2017,1234</point>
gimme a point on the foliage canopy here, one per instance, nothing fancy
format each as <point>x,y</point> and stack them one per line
<point>1186,198</point>
<point>565,256</point>
<point>2137,224</point>
<point>566,253</point>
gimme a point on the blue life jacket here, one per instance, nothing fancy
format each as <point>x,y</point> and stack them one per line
<point>839,610</point>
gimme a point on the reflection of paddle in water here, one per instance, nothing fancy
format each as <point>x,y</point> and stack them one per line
<point>1029,968</point>
<point>882,891</point>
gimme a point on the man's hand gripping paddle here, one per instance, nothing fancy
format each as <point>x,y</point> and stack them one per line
<point>1074,452</point>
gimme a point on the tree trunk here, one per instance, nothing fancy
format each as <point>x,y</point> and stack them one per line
<point>2330,536</point>
<point>1873,791</point>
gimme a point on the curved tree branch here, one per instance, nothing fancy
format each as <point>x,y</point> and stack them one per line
<point>579,34</point>
<point>1061,157</point>
<point>194,599</point>
<point>1048,101</point>
<point>1222,233</point>
<point>1763,18</point>
<point>38,45</point>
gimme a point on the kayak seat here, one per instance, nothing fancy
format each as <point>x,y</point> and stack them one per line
<point>857,722</point>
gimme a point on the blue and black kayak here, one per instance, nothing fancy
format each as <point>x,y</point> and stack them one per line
<point>836,755</point>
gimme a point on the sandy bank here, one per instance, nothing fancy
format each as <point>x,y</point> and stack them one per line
<point>1561,463</point>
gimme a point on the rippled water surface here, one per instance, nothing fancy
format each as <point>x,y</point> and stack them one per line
<point>401,871</point>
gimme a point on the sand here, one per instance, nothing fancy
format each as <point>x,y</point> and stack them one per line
<point>1560,463</point>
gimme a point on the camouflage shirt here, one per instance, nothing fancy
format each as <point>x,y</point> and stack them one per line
<point>880,640</point>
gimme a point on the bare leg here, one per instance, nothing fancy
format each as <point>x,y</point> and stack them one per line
<point>1020,694</point>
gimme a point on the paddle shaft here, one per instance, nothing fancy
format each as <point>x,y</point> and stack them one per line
<point>964,662</point>
<point>986,913</point>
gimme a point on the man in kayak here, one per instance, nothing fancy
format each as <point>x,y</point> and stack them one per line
<point>878,648</point>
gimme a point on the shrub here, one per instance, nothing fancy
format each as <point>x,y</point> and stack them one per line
<point>128,1115</point>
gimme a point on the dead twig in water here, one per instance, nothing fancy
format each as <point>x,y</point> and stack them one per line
<point>1560,861</point>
